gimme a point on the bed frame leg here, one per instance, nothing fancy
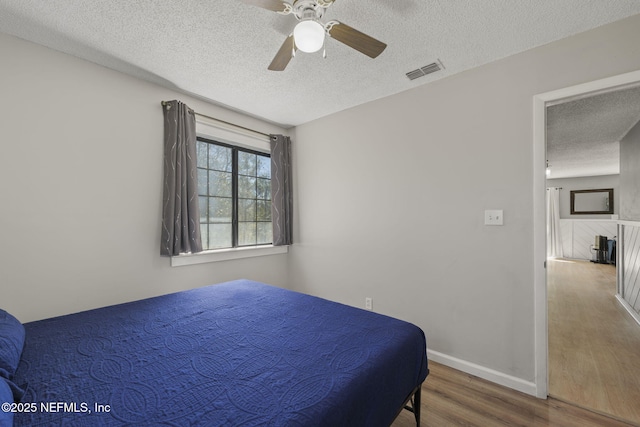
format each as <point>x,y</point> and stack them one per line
<point>416,405</point>
<point>414,400</point>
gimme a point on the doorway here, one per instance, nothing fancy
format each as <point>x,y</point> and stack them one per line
<point>593,341</point>
<point>540,262</point>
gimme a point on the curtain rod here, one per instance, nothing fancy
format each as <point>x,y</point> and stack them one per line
<point>557,188</point>
<point>224,122</point>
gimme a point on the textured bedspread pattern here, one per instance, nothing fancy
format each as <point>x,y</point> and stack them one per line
<point>240,353</point>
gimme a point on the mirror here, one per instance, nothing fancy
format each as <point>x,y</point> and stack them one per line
<point>592,201</point>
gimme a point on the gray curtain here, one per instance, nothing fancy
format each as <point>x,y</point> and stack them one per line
<point>180,211</point>
<point>281,190</point>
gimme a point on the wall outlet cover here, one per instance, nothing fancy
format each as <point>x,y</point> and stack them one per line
<point>493,217</point>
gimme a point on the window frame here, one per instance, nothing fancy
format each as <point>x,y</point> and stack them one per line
<point>209,128</point>
<point>235,190</point>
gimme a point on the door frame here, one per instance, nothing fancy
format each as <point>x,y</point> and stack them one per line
<point>540,103</point>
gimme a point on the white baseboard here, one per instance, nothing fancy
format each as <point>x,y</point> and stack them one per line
<point>488,374</point>
<point>628,307</point>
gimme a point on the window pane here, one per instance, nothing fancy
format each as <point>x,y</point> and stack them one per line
<point>246,233</point>
<point>204,234</point>
<point>246,163</point>
<point>217,173</point>
<point>219,236</point>
<point>264,188</point>
<point>203,210</point>
<point>219,184</point>
<point>264,167</point>
<point>246,210</point>
<point>219,158</point>
<point>246,187</point>
<point>263,210</point>
<point>201,148</point>
<point>265,233</point>
<point>219,209</point>
<point>202,181</point>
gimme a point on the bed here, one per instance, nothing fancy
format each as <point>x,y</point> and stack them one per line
<point>240,353</point>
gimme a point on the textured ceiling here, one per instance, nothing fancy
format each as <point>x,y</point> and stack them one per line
<point>219,50</point>
<point>583,135</point>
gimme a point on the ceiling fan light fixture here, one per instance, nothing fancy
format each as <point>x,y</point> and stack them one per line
<point>309,35</point>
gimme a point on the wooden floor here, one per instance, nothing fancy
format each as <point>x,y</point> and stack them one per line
<point>453,398</point>
<point>594,344</point>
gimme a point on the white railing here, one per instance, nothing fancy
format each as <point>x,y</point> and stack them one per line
<point>628,267</point>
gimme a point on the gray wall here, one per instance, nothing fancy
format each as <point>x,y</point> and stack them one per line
<point>81,186</point>
<point>586,183</point>
<point>391,198</point>
<point>630,175</point>
<point>390,195</point>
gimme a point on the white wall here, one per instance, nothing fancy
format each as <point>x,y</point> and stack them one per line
<point>630,174</point>
<point>391,197</point>
<point>81,187</point>
<point>578,236</point>
<point>586,183</point>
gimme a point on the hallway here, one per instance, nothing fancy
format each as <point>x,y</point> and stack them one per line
<point>594,344</point>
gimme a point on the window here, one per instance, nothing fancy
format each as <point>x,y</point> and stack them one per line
<point>234,187</point>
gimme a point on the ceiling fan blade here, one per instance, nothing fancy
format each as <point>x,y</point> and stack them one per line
<point>273,5</point>
<point>284,55</point>
<point>355,39</point>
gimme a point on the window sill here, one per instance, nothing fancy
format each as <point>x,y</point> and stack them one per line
<point>227,254</point>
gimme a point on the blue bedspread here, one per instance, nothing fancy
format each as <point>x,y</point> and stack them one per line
<point>240,353</point>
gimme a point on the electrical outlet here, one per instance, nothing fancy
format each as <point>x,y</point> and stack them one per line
<point>368,303</point>
<point>493,217</point>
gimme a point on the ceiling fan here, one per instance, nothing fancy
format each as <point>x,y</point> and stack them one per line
<point>309,33</point>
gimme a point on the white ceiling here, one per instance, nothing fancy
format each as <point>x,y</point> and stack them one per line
<point>583,135</point>
<point>219,50</point>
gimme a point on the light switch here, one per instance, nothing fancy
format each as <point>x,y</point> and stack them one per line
<point>493,217</point>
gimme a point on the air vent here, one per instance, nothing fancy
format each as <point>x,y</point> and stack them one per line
<point>423,71</point>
